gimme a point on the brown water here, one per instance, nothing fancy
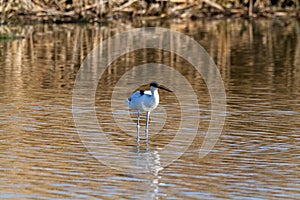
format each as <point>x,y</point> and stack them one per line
<point>257,155</point>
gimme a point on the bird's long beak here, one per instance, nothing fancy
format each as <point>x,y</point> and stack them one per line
<point>164,88</point>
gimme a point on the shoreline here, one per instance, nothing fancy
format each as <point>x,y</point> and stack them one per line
<point>35,12</point>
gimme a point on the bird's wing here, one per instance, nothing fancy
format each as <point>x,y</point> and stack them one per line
<point>147,92</point>
<point>138,94</point>
<point>135,95</point>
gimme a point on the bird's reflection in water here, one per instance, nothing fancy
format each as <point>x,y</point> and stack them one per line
<point>150,160</point>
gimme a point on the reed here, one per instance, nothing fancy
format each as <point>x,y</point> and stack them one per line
<point>98,10</point>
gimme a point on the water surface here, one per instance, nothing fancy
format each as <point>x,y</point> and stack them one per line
<point>257,155</point>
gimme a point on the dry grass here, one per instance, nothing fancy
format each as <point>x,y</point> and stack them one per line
<point>95,10</point>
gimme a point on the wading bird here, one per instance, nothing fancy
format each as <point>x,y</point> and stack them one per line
<point>145,101</point>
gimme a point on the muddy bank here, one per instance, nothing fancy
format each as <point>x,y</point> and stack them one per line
<point>63,11</point>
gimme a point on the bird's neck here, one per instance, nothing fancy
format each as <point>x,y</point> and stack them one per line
<point>154,92</point>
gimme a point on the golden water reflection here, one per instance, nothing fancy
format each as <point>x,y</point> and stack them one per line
<point>257,156</point>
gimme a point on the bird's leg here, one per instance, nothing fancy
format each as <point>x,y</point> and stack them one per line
<point>147,122</point>
<point>138,127</point>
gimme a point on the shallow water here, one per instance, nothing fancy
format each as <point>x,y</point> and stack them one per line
<point>256,156</point>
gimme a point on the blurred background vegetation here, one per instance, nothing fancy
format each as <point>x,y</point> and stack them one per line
<point>60,11</point>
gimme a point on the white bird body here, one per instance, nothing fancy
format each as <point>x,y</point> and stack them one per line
<point>145,101</point>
